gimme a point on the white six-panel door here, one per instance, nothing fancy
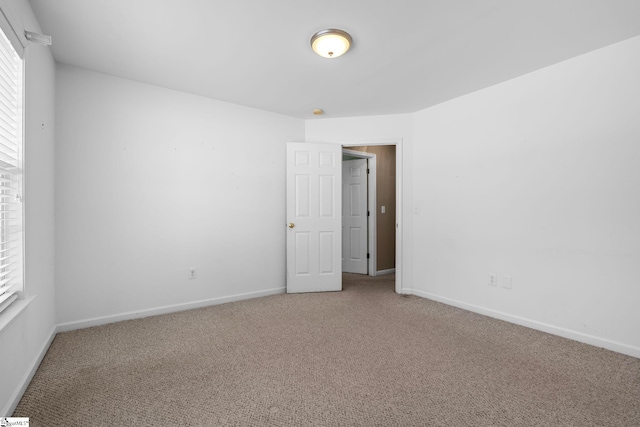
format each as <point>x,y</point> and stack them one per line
<point>314,206</point>
<point>354,216</point>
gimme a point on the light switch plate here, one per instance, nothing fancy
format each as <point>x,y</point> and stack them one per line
<point>493,280</point>
<point>506,282</point>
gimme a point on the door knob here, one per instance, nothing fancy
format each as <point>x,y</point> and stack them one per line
<point>291,225</point>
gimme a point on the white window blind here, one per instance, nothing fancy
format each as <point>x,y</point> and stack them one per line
<point>11,254</point>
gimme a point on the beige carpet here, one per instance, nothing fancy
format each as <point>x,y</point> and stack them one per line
<point>363,357</point>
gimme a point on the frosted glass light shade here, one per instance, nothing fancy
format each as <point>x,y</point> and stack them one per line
<point>331,43</point>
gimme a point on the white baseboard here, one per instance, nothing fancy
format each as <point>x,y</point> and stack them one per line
<point>387,271</point>
<point>28,376</point>
<point>64,327</point>
<point>533,324</point>
<point>97,321</point>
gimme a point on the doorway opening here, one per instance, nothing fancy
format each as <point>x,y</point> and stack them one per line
<point>359,254</point>
<point>313,237</point>
<point>382,161</point>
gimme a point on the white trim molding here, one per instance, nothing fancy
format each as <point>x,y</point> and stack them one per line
<point>399,199</point>
<point>372,236</point>
<point>70,326</point>
<point>28,376</point>
<point>539,326</point>
<point>14,310</point>
<point>97,321</point>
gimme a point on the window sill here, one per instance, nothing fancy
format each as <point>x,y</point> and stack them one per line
<point>14,310</point>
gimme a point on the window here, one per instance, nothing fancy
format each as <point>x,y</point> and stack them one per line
<point>11,120</point>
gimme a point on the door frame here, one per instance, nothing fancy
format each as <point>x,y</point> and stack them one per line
<point>372,232</point>
<point>399,213</point>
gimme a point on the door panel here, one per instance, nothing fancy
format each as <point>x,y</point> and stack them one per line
<point>302,196</point>
<point>302,254</point>
<point>354,218</point>
<point>327,252</point>
<point>327,196</point>
<point>314,179</point>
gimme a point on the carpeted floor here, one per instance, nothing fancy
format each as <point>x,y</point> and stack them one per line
<point>362,357</point>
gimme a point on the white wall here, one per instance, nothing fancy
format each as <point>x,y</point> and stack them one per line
<point>372,129</point>
<point>151,182</point>
<point>24,339</point>
<point>534,178</point>
<point>537,178</point>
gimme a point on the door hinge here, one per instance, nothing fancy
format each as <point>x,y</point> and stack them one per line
<point>368,170</point>
<point>368,213</point>
<point>368,256</point>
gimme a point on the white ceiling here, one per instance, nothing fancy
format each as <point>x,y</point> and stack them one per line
<point>407,54</point>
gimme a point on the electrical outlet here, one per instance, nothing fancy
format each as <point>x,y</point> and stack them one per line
<point>193,273</point>
<point>506,282</point>
<point>493,280</point>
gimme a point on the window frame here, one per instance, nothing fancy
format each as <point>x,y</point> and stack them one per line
<point>12,141</point>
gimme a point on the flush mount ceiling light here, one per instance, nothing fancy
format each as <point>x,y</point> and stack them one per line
<point>331,43</point>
